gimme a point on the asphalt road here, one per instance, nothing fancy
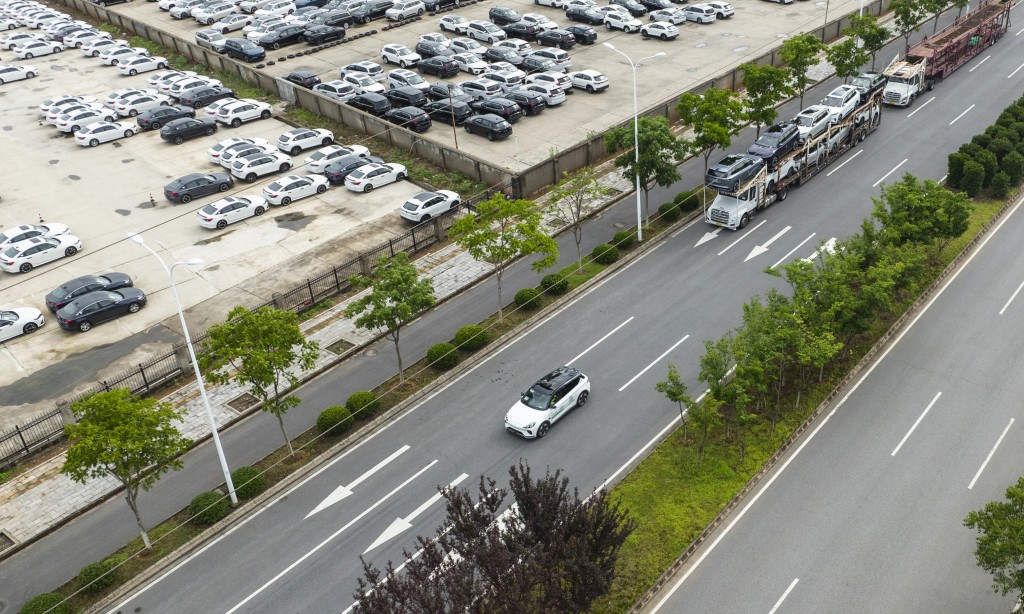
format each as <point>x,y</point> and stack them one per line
<point>294,563</point>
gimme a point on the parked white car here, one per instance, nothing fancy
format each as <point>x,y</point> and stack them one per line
<point>94,48</point>
<point>470,62</point>
<point>399,54</point>
<point>551,94</point>
<point>515,44</point>
<point>723,10</point>
<point>37,49</point>
<point>426,205</point>
<point>700,13</point>
<point>454,23</point>
<point>19,321</point>
<point>212,13</point>
<point>232,23</point>
<point>366,178</point>
<point>251,6</point>
<point>133,105</point>
<point>277,7</point>
<point>111,99</point>
<point>401,77</point>
<point>463,44</point>
<point>113,56</point>
<point>552,78</point>
<point>297,139</point>
<point>24,232</point>
<point>11,72</point>
<point>230,209</point>
<point>285,190</point>
<point>213,154</point>
<point>18,38</point>
<point>404,9</point>
<point>133,66</point>
<point>317,162</point>
<point>84,37</point>
<point>589,80</point>
<point>337,89</point>
<point>363,84</point>
<point>63,99</point>
<point>659,29</point>
<point>622,21</point>
<point>243,110</point>
<point>183,85</point>
<point>168,76</point>
<point>252,167</point>
<point>539,21</point>
<point>25,255</point>
<point>234,153</point>
<point>103,132</point>
<point>61,110</point>
<point>72,122</point>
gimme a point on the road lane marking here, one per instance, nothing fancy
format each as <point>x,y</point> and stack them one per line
<point>1015,72</point>
<point>613,331</point>
<point>665,353</point>
<point>708,236</point>
<point>850,159</point>
<point>926,103</point>
<point>886,176</point>
<point>961,115</point>
<point>778,603</point>
<point>1013,296</point>
<point>989,457</point>
<point>400,525</point>
<point>980,63</point>
<point>344,491</point>
<point>842,401</point>
<point>745,235</point>
<point>1019,31</point>
<point>763,248</point>
<point>829,247</point>
<point>331,538</point>
<point>916,422</point>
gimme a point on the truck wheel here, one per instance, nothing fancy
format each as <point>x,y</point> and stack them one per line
<point>910,102</point>
<point>783,193</point>
<point>744,221</point>
<point>929,84</point>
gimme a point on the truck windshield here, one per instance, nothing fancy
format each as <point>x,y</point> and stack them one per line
<point>899,80</point>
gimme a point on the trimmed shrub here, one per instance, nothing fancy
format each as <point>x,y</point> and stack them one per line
<point>334,420</point>
<point>670,212</point>
<point>1000,147</point>
<point>361,404</point>
<point>604,253</point>
<point>528,298</point>
<point>1018,129</point>
<point>995,131</point>
<point>53,603</point>
<point>208,507</point>
<point>554,284</point>
<point>973,178</point>
<point>955,168</point>
<point>472,337</point>
<point>688,200</point>
<point>1000,185</point>
<point>95,577</point>
<point>442,356</point>
<point>249,481</point>
<point>1013,166</point>
<point>623,239</point>
<point>981,140</point>
<point>990,163</point>
<point>970,149</point>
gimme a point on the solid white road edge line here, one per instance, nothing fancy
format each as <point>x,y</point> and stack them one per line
<point>778,603</point>
<point>1012,296</point>
<point>841,402</point>
<point>745,235</point>
<point>916,422</point>
<point>926,103</point>
<point>894,169</point>
<point>961,115</point>
<point>609,334</point>
<point>790,253</point>
<point>989,457</point>
<point>645,369</point>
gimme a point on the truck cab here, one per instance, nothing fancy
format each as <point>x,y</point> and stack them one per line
<point>905,80</point>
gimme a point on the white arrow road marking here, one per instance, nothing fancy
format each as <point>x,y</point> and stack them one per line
<point>784,258</point>
<point>708,236</point>
<point>403,524</point>
<point>763,222</point>
<point>829,247</point>
<point>344,491</point>
<point>331,538</point>
<point>760,249</point>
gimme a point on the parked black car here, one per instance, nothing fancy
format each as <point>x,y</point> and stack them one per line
<point>288,35</point>
<point>430,49</point>
<point>450,112</point>
<point>413,118</point>
<point>532,64</point>
<point>320,34</point>
<point>64,293</point>
<point>95,307</point>
<point>584,14</point>
<point>201,96</point>
<point>655,5</point>
<point>493,127</point>
<point>335,17</point>
<point>374,9</point>
<point>502,15</point>
<point>443,91</point>
<point>775,142</point>
<point>244,49</point>
<point>502,54</point>
<point>504,108</point>
<point>178,131</point>
<point>154,118</point>
<point>635,8</point>
<point>106,3</point>
<point>304,78</point>
<point>433,5</point>
<point>339,169</point>
<point>374,104</point>
<point>531,103</point>
<point>195,185</point>
<point>441,66</point>
<point>304,3</point>
<point>406,97</point>
<point>521,30</point>
<point>585,35</point>
<point>563,39</point>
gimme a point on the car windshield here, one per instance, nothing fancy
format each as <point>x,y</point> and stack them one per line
<point>274,187</point>
<point>770,139</point>
<point>208,210</point>
<point>861,82</point>
<point>833,101</point>
<point>11,252</point>
<point>537,397</point>
<point>805,120</point>
<point>8,316</point>
<point>414,79</point>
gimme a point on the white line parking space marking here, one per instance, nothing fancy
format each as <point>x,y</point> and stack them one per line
<point>961,115</point>
<point>1012,296</point>
<point>783,259</point>
<point>989,457</point>
<point>848,160</point>
<point>654,362</point>
<point>613,331</point>
<point>747,234</point>
<point>926,103</point>
<point>886,176</point>
<point>980,63</point>
<point>916,422</point>
<point>778,603</point>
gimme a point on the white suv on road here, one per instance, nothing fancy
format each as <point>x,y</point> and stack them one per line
<point>547,401</point>
<point>841,102</point>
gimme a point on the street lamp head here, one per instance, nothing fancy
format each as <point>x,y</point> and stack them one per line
<point>660,54</point>
<point>137,238</point>
<point>610,46</point>
<point>191,262</point>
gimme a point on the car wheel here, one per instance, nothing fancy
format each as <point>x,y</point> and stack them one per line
<point>155,125</point>
<point>582,399</point>
<point>326,141</point>
<point>490,136</point>
<point>197,105</point>
<point>744,220</point>
<point>85,326</point>
<point>295,150</point>
<point>28,56</point>
<point>426,216</point>
<point>608,25</point>
<point>320,189</point>
<point>543,430</point>
<point>222,224</point>
<point>368,188</point>
<point>210,130</point>
<point>133,72</point>
<point>400,177</point>
<point>783,193</point>
<point>664,38</point>
<point>403,64</point>
<point>264,114</point>
<point>94,143</point>
<point>251,178</point>
<point>134,308</point>
<point>95,54</point>
<point>30,328</point>
<point>236,123</point>
<point>366,20</point>
<point>259,211</point>
<point>178,140</point>
<point>186,199</point>
<point>30,75</point>
<point>223,30</point>
<point>275,46</point>
<point>25,268</point>
<point>224,187</point>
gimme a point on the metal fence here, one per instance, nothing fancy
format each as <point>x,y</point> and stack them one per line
<point>24,439</point>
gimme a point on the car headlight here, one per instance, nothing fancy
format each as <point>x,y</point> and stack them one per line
<point>530,425</point>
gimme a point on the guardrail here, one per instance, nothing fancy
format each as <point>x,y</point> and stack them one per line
<point>23,440</point>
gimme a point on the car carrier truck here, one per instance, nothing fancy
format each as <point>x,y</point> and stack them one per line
<point>934,58</point>
<point>734,209</point>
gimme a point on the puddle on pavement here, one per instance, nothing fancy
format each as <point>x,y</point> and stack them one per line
<point>294,221</point>
<point>214,238</point>
<point>74,177</point>
<point>123,211</point>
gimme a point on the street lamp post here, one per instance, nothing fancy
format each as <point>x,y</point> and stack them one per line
<point>636,135</point>
<point>192,355</point>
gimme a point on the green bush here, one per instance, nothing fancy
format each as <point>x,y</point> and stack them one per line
<point>955,168</point>
<point>51,603</point>
<point>555,284</point>
<point>528,298</point>
<point>95,577</point>
<point>334,420</point>
<point>981,140</point>
<point>208,507</point>
<point>990,163</point>
<point>1013,166</point>
<point>442,356</point>
<point>604,253</point>
<point>973,178</point>
<point>1018,129</point>
<point>472,337</point>
<point>970,149</point>
<point>669,212</point>
<point>623,239</point>
<point>688,200</point>
<point>1000,147</point>
<point>361,404</point>
<point>249,481</point>
<point>1000,185</point>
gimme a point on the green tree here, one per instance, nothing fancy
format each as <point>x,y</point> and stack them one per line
<point>258,349</point>
<point>847,58</point>
<point>935,9</point>
<point>1000,542</point>
<point>867,29</point>
<point>130,439</point>
<point>907,16</point>
<point>960,6</point>
<point>397,295</point>
<point>569,196</point>
<point>765,86</point>
<point>921,212</point>
<point>714,117</point>
<point>501,231</point>
<point>800,52</point>
<point>675,389</point>
<point>659,152</point>
<point>706,418</point>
